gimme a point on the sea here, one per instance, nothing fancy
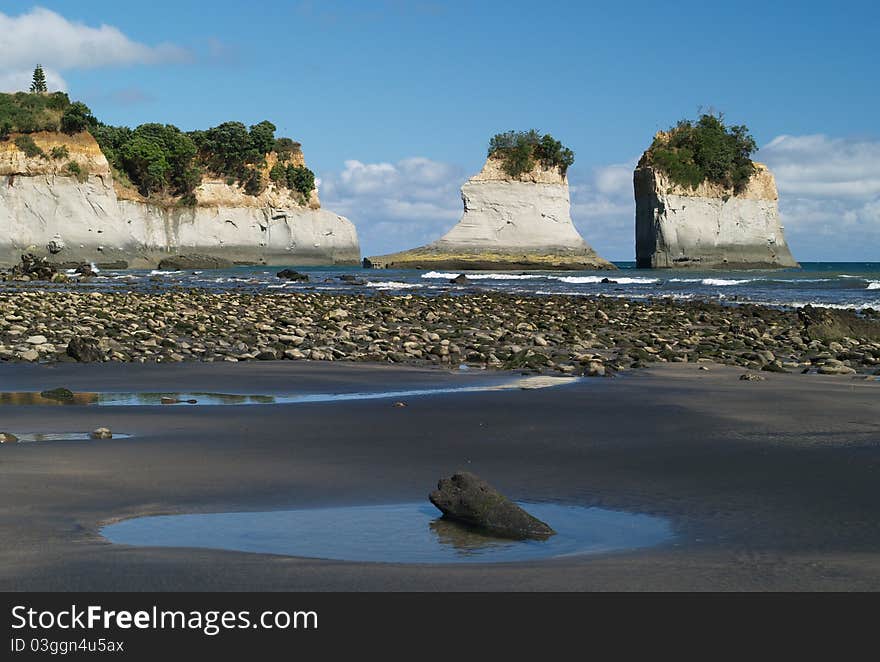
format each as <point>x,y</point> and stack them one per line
<point>845,285</point>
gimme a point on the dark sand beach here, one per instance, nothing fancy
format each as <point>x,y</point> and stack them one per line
<point>769,485</point>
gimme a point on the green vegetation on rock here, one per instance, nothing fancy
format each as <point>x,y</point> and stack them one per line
<point>28,113</point>
<point>691,153</point>
<point>521,150</point>
<point>27,145</point>
<point>159,159</point>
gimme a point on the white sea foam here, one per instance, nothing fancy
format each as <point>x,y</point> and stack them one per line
<point>874,285</point>
<point>439,274</point>
<point>624,280</point>
<point>725,282</point>
<point>450,275</point>
<point>157,272</point>
<point>392,285</point>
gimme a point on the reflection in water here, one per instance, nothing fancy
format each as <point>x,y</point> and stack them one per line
<point>62,436</point>
<point>33,398</point>
<point>400,533</point>
<point>466,540</point>
<point>186,398</point>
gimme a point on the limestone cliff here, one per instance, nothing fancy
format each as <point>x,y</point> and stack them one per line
<point>75,214</point>
<point>508,223</point>
<point>709,226</point>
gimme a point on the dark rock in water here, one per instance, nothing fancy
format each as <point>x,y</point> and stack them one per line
<point>460,279</point>
<point>827,324</point>
<point>33,268</point>
<point>349,279</point>
<point>61,394</point>
<point>290,274</point>
<point>84,269</point>
<point>116,264</point>
<point>101,433</point>
<point>7,438</point>
<point>84,350</point>
<point>366,264</point>
<point>166,400</point>
<point>181,262</point>
<point>469,499</point>
<point>608,280</point>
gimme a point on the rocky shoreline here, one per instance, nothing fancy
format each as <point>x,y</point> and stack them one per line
<point>572,335</point>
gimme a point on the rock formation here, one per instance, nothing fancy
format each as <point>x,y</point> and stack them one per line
<point>469,499</point>
<point>83,215</point>
<point>508,223</point>
<point>709,226</point>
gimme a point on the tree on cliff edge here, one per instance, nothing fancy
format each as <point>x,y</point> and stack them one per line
<point>38,84</point>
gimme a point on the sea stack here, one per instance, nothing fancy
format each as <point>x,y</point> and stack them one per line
<point>63,198</point>
<point>687,220</point>
<point>511,220</point>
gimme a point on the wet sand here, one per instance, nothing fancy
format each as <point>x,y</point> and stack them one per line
<point>769,485</point>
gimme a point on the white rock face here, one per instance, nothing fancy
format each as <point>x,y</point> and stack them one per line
<point>708,227</point>
<point>47,212</point>
<point>508,223</point>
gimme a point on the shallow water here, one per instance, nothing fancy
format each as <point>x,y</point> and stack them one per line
<point>399,533</point>
<point>37,437</point>
<point>184,399</point>
<point>854,285</point>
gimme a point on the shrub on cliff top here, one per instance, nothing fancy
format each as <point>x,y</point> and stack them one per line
<point>706,150</point>
<point>520,150</point>
<point>27,145</point>
<point>27,113</point>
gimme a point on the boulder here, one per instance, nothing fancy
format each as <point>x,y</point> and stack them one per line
<point>7,438</point>
<point>101,433</point>
<point>469,499</point>
<point>460,279</point>
<point>84,350</point>
<point>290,274</point>
<point>827,324</point>
<point>194,261</point>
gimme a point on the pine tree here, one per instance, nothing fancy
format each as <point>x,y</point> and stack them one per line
<point>38,84</point>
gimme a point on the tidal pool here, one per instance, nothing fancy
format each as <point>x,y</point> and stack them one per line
<point>183,398</point>
<point>398,533</point>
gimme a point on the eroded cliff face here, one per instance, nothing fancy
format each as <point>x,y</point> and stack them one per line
<point>46,210</point>
<point>522,223</point>
<point>710,226</point>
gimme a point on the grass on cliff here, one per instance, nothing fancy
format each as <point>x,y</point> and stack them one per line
<point>707,150</point>
<point>521,150</point>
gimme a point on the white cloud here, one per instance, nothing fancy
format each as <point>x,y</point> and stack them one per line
<point>829,195</point>
<point>603,209</point>
<point>395,205</point>
<point>45,37</point>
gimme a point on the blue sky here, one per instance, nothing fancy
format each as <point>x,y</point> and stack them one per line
<point>394,101</point>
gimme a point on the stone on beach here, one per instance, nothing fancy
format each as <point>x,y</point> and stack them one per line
<point>84,350</point>
<point>469,499</point>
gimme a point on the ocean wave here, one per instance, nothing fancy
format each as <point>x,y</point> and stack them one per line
<point>725,282</point>
<point>158,272</point>
<point>577,280</point>
<point>392,285</point>
<point>874,285</point>
<point>448,275</point>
